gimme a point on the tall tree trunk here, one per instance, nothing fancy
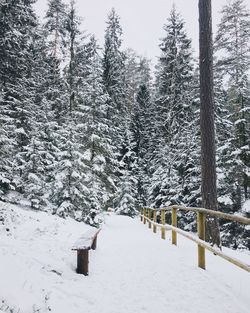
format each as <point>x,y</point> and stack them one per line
<point>208,163</point>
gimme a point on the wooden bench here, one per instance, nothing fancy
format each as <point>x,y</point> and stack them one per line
<point>86,242</point>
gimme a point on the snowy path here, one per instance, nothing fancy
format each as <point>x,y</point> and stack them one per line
<point>142,273</point>
<point>132,271</point>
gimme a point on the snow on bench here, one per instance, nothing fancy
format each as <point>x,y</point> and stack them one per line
<point>86,242</point>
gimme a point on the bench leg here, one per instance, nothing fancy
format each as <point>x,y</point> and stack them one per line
<point>83,262</point>
<point>93,247</point>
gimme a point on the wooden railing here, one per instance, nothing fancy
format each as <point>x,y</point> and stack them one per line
<point>150,215</point>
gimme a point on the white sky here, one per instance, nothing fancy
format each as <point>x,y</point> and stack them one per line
<point>142,20</point>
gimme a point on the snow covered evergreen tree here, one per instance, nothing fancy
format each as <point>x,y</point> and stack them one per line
<point>42,152</point>
<point>175,111</point>
<point>141,127</point>
<point>131,61</point>
<point>114,79</point>
<point>233,40</point>
<point>16,98</point>
<point>233,49</point>
<point>69,187</point>
<point>224,130</point>
<point>56,19</point>
<point>93,133</point>
<point>126,200</point>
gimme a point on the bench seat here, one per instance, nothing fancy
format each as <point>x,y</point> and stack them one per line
<point>86,242</point>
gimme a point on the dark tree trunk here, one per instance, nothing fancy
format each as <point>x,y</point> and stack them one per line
<point>208,163</point>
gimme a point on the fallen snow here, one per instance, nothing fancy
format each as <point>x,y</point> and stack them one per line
<point>225,199</point>
<point>246,207</point>
<point>132,270</point>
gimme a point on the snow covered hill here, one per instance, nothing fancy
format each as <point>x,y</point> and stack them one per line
<point>132,270</point>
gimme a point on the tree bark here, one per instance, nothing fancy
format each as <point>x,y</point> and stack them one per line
<point>208,162</point>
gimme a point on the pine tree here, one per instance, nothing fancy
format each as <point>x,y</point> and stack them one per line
<point>41,153</point>
<point>233,40</point>
<point>175,111</point>
<point>138,88</point>
<point>232,46</point>
<point>69,187</point>
<point>56,27</point>
<point>131,76</point>
<point>137,72</point>
<point>94,133</point>
<point>142,131</point>
<point>174,74</point>
<point>113,78</point>
<point>224,131</point>
<point>127,193</point>
<point>16,97</point>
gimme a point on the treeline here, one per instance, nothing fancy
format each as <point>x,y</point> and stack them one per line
<point>83,128</point>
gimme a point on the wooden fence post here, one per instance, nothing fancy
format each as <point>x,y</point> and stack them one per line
<point>141,215</point>
<point>174,223</point>
<point>144,216</point>
<point>149,222</point>
<point>201,234</point>
<point>154,226</point>
<point>163,221</point>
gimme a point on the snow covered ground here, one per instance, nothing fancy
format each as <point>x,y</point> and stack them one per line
<point>132,270</point>
<point>246,207</point>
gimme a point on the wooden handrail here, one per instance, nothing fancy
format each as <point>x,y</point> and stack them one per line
<point>234,218</point>
<point>202,245</point>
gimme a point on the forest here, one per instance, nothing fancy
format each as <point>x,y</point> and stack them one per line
<point>84,128</point>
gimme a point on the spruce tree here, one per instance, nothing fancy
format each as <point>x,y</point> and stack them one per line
<point>233,61</point>
<point>113,78</point>
<point>55,27</point>
<point>233,40</point>
<point>94,134</point>
<point>68,194</point>
<point>174,74</point>
<point>41,153</point>
<point>141,132</point>
<point>127,191</point>
<point>175,112</point>
<point>138,89</point>
<point>15,79</point>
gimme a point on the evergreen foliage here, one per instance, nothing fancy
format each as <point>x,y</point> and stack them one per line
<point>233,48</point>
<point>233,40</point>
<point>173,165</point>
<point>55,26</point>
<point>16,107</point>
<point>82,130</point>
<point>113,77</point>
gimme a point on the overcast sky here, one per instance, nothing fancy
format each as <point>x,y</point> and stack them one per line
<point>142,20</point>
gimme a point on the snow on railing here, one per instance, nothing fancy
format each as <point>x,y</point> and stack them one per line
<point>150,215</point>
